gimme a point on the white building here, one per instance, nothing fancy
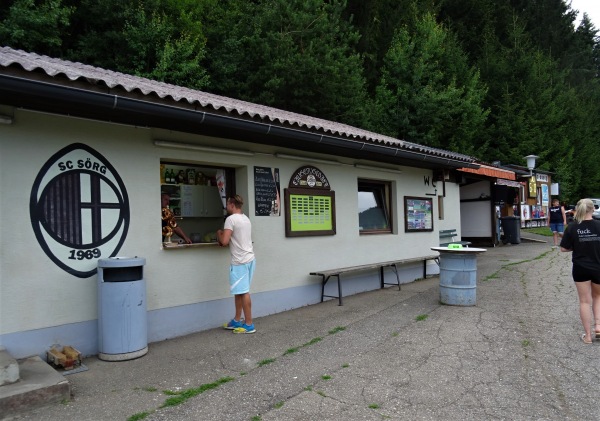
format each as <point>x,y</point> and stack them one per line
<point>83,156</point>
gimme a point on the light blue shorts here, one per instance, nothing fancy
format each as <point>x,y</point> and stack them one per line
<point>557,227</point>
<point>240,277</point>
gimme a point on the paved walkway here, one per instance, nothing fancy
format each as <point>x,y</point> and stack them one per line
<point>516,355</point>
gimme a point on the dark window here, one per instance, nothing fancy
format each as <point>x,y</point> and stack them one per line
<point>374,207</point>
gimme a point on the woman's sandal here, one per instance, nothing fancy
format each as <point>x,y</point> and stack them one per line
<point>597,335</point>
<point>584,341</point>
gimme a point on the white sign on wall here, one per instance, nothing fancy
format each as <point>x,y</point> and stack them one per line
<point>79,209</point>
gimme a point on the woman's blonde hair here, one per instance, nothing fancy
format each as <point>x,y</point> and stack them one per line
<point>584,206</point>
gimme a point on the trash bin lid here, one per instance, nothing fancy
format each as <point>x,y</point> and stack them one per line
<point>121,261</point>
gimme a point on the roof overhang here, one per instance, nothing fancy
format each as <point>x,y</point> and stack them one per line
<point>45,84</point>
<point>491,172</point>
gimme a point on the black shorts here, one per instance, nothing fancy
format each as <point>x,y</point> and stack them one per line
<point>582,274</point>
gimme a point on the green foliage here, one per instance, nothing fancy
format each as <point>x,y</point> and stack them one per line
<point>428,93</point>
<point>35,26</point>
<point>496,79</point>
<point>293,54</point>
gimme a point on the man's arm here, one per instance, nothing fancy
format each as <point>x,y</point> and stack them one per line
<point>181,234</point>
<point>223,237</point>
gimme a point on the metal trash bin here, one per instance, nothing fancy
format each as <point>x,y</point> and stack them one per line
<point>511,226</point>
<point>122,317</point>
<point>458,275</point>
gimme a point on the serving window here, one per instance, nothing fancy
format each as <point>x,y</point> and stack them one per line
<point>196,200</point>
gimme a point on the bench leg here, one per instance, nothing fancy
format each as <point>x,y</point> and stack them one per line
<point>382,280</point>
<point>424,269</point>
<point>324,281</point>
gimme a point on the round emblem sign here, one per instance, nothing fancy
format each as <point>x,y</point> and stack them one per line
<point>79,209</point>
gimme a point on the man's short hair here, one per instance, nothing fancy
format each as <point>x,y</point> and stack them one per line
<point>237,201</point>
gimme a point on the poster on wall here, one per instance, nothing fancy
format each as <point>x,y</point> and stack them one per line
<point>545,195</point>
<point>309,204</point>
<point>418,214</point>
<point>266,192</point>
<point>525,212</point>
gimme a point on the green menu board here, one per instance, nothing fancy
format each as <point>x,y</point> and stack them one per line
<point>310,213</point>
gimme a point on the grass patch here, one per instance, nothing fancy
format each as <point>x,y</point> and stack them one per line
<point>345,365</point>
<point>525,343</point>
<point>320,392</point>
<point>308,388</point>
<point>490,277</point>
<point>266,361</point>
<point>313,341</point>
<point>326,377</point>
<point>255,418</point>
<point>184,395</point>
<point>374,406</point>
<point>278,404</point>
<point>150,389</point>
<point>539,231</point>
<point>291,351</point>
<point>139,416</point>
<point>495,274</point>
<point>421,317</point>
<point>337,329</point>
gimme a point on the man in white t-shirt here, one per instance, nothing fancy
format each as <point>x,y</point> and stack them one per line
<point>237,234</point>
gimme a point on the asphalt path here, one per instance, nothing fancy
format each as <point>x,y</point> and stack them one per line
<point>385,354</point>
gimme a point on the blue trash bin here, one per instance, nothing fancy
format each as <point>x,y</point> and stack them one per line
<point>458,279</point>
<point>122,316</point>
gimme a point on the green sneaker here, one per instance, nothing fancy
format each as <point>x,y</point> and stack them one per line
<point>245,329</point>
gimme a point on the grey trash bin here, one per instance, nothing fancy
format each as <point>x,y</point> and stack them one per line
<point>122,319</point>
<point>511,225</point>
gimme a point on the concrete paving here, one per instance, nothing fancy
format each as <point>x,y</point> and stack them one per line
<point>385,354</point>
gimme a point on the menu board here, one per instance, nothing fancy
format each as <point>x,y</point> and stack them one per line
<point>266,191</point>
<point>310,213</point>
<point>418,214</point>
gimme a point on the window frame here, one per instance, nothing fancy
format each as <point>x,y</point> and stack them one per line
<point>384,195</point>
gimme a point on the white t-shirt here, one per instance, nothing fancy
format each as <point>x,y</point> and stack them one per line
<point>240,244</point>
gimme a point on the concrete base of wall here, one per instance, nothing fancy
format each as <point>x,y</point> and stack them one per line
<point>168,323</point>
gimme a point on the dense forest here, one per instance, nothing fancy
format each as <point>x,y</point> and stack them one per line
<point>495,79</point>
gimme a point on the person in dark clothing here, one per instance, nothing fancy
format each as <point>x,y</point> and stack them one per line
<point>582,237</point>
<point>557,220</point>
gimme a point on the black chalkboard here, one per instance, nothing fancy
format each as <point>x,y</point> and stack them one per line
<point>266,191</point>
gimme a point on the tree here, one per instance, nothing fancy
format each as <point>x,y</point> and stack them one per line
<point>35,27</point>
<point>428,93</point>
<point>157,39</point>
<point>293,54</point>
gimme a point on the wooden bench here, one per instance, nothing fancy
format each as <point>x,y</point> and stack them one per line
<point>327,274</point>
<point>450,234</point>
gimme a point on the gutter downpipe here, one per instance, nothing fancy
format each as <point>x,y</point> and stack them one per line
<point>113,102</point>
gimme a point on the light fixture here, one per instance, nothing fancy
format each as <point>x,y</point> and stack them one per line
<point>6,119</point>
<point>303,158</point>
<point>192,147</point>
<point>384,169</point>
<point>531,163</point>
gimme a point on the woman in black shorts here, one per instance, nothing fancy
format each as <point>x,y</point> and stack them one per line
<point>582,237</point>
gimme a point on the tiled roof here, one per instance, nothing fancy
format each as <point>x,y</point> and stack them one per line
<point>78,72</point>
